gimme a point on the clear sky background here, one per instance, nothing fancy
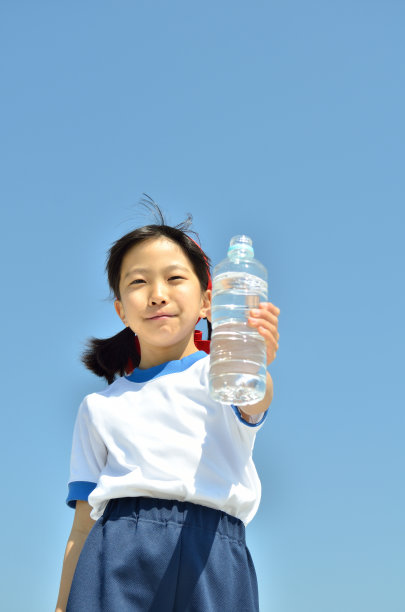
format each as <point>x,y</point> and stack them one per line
<point>281,120</point>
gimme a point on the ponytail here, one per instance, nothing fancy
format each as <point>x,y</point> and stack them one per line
<point>113,356</point>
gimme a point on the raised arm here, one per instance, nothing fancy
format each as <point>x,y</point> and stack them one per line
<point>82,524</point>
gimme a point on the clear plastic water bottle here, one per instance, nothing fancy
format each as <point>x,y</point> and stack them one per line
<point>237,373</point>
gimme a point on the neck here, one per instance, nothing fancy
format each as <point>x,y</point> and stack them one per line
<point>152,356</point>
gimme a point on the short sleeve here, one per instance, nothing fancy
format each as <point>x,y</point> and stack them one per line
<point>255,421</point>
<point>88,456</point>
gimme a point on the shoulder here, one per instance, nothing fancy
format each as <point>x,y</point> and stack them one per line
<point>100,398</point>
<point>195,376</point>
<point>116,388</point>
<point>200,368</point>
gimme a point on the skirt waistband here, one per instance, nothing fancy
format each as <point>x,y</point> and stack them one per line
<point>173,511</point>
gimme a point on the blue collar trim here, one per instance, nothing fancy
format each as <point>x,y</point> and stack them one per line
<point>169,367</point>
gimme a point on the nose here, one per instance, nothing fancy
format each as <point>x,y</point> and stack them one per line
<point>157,295</point>
<point>158,301</point>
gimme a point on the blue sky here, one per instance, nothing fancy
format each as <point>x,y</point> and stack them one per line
<point>281,120</point>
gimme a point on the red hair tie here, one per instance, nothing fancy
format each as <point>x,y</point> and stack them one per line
<point>202,345</point>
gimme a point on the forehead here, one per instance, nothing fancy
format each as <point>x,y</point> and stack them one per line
<point>153,253</point>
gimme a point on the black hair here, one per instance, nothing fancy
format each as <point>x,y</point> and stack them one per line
<point>113,356</point>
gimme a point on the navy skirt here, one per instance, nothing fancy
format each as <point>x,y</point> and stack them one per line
<point>156,555</point>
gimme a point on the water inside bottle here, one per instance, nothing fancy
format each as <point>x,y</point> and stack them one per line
<point>234,294</point>
<point>237,368</point>
<point>238,351</point>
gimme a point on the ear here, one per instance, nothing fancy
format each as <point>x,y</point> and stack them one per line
<point>205,311</point>
<point>120,311</point>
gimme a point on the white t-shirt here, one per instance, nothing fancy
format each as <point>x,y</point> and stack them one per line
<point>158,433</point>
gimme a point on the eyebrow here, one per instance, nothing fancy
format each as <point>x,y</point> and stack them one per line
<point>146,270</point>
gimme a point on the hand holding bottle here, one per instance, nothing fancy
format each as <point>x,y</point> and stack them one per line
<point>265,320</point>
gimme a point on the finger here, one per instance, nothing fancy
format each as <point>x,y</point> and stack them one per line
<point>269,311</point>
<point>271,342</point>
<point>270,307</point>
<point>269,324</point>
<point>270,335</point>
<point>263,313</point>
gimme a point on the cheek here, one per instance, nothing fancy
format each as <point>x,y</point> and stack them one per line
<point>192,297</point>
<point>133,303</point>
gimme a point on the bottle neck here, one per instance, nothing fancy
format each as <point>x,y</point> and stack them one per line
<point>242,247</point>
<point>238,252</point>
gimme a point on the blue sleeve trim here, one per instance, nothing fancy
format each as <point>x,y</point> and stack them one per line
<point>242,420</point>
<point>80,489</point>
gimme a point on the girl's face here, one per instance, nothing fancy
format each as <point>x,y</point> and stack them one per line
<point>161,300</point>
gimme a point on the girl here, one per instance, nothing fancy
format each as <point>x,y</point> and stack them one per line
<point>162,477</point>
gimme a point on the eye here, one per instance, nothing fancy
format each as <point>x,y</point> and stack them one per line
<point>176,277</point>
<point>137,281</point>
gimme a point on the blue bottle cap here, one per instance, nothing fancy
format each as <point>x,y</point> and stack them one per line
<point>243,245</point>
